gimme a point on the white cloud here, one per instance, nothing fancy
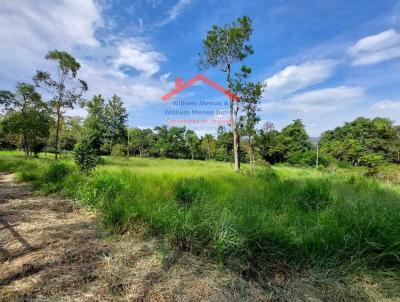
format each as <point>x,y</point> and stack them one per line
<point>319,101</point>
<point>386,108</point>
<point>175,11</point>
<point>31,29</point>
<point>376,48</point>
<point>138,55</point>
<point>387,105</point>
<point>296,77</point>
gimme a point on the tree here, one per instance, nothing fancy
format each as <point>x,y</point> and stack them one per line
<point>27,116</point>
<point>268,144</point>
<point>223,47</point>
<point>115,118</point>
<point>192,142</point>
<point>224,145</point>
<point>161,144</point>
<point>294,138</point>
<point>94,126</point>
<point>358,142</point>
<point>140,140</point>
<point>64,89</point>
<point>208,145</point>
<point>72,132</point>
<point>250,95</point>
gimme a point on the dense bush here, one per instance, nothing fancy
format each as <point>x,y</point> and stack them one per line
<point>190,189</point>
<point>85,156</point>
<point>118,151</point>
<point>56,171</point>
<point>308,159</point>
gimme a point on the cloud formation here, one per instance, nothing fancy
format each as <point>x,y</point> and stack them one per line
<point>376,48</point>
<point>320,100</point>
<point>139,56</point>
<point>297,77</point>
<point>175,11</point>
<point>72,25</point>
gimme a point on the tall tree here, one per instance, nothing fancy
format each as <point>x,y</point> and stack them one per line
<point>65,90</point>
<point>208,145</point>
<point>223,47</point>
<point>94,126</point>
<point>116,117</point>
<point>294,138</point>
<point>192,142</point>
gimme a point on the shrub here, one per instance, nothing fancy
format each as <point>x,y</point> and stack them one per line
<point>315,195</point>
<point>308,158</point>
<point>118,151</point>
<point>56,172</point>
<point>103,189</point>
<point>85,156</point>
<point>190,189</point>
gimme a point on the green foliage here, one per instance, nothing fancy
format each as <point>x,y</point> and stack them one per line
<point>27,118</point>
<point>363,142</point>
<point>227,44</point>
<point>372,160</point>
<point>118,151</point>
<point>208,145</point>
<point>104,126</point>
<point>190,189</point>
<point>223,47</point>
<point>66,91</point>
<point>315,195</point>
<point>54,175</point>
<point>85,156</point>
<point>278,147</point>
<point>56,172</point>
<point>302,217</point>
<point>308,159</point>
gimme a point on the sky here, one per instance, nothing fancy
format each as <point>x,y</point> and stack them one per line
<point>325,62</point>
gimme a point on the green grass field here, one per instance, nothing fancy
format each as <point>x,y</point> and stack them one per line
<point>301,217</point>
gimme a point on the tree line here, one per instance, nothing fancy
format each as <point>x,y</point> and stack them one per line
<point>34,125</point>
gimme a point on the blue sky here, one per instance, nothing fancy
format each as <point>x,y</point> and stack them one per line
<point>323,61</point>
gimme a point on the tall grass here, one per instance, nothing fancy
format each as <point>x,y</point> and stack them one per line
<point>302,217</point>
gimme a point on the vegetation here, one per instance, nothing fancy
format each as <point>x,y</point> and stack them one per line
<point>223,47</point>
<point>344,213</point>
<point>27,118</point>
<point>302,217</point>
<point>64,91</point>
<point>364,142</point>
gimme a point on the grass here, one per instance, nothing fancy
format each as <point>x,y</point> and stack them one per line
<point>302,218</point>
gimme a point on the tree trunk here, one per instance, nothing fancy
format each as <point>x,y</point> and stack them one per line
<point>192,155</point>
<point>58,133</point>
<point>25,144</point>
<point>250,155</point>
<point>233,123</point>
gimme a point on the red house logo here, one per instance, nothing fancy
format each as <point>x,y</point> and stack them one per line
<point>180,86</point>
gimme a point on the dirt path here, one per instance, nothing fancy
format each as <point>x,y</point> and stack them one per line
<point>52,251</point>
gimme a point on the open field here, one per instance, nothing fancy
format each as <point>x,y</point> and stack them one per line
<point>280,221</point>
